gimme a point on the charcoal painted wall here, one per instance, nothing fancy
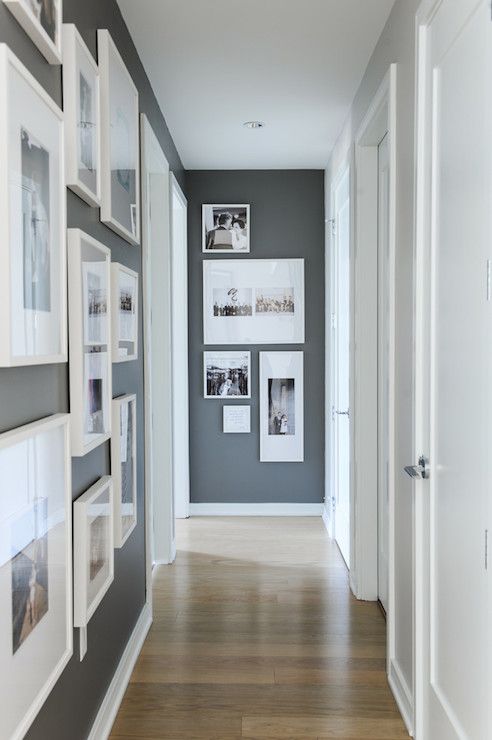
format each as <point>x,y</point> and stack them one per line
<point>27,394</point>
<point>287,220</point>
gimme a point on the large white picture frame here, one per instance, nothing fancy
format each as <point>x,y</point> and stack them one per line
<point>120,195</point>
<point>249,301</point>
<point>281,406</point>
<point>36,611</point>
<point>124,313</point>
<point>33,299</point>
<point>124,467</point>
<point>226,228</point>
<point>42,22</point>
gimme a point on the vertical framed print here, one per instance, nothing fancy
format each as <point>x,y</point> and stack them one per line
<point>82,117</point>
<point>124,467</point>
<point>36,610</point>
<point>281,407</point>
<point>120,195</point>
<point>124,291</point>
<point>89,275</point>
<point>226,229</point>
<point>33,330</point>
<point>42,21</point>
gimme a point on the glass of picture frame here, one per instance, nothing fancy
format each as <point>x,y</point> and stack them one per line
<point>124,292</point>
<point>227,375</point>
<point>36,609</point>
<point>42,21</point>
<point>226,229</point>
<point>124,467</point>
<point>89,275</point>
<point>33,329</point>
<point>281,407</point>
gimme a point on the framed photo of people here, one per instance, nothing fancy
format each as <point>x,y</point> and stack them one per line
<point>124,291</point>
<point>42,21</point>
<point>227,375</point>
<point>120,203</point>
<point>33,329</point>
<point>82,117</point>
<point>89,275</point>
<point>226,228</point>
<point>124,467</point>
<point>36,623</point>
<point>281,407</point>
<point>253,301</point>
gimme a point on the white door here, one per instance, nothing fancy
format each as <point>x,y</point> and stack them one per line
<point>454,371</point>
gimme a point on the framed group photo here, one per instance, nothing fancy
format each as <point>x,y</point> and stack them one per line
<point>225,228</point>
<point>124,467</point>
<point>42,21</point>
<point>281,407</point>
<point>227,374</point>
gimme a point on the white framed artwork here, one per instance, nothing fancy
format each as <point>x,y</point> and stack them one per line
<point>120,195</point>
<point>36,610</point>
<point>124,467</point>
<point>227,375</point>
<point>226,228</point>
<point>89,276</point>
<point>253,301</point>
<point>81,103</point>
<point>33,298</point>
<point>236,419</point>
<point>42,21</point>
<point>124,291</point>
<point>281,407</point>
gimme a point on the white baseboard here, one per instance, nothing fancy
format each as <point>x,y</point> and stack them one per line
<point>326,519</point>
<point>111,703</point>
<point>402,694</point>
<point>256,509</point>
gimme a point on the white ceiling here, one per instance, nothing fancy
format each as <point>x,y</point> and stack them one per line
<point>294,64</point>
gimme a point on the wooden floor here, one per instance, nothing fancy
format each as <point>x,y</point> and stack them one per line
<point>256,635</point>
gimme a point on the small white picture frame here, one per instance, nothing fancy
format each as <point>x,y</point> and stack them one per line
<point>281,406</point>
<point>124,291</point>
<point>226,228</point>
<point>124,467</point>
<point>236,419</point>
<point>42,22</point>
<point>226,375</point>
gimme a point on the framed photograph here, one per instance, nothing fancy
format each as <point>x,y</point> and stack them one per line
<point>42,21</point>
<point>120,195</point>
<point>35,567</point>
<point>33,299</point>
<point>281,407</point>
<point>124,291</point>
<point>82,117</point>
<point>225,228</point>
<point>89,277</point>
<point>226,374</point>
<point>237,420</point>
<point>124,467</point>
<point>253,301</point>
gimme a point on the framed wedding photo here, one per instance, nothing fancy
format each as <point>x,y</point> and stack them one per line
<point>89,277</point>
<point>225,228</point>
<point>120,171</point>
<point>36,608</point>
<point>226,375</point>
<point>124,292</point>
<point>82,117</point>
<point>124,467</point>
<point>42,21</point>
<point>281,407</point>
<point>33,298</point>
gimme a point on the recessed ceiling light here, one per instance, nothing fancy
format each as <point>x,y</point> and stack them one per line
<point>253,124</point>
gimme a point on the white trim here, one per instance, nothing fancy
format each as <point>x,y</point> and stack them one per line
<point>51,50</point>
<point>326,519</point>
<point>287,509</point>
<point>402,694</point>
<point>111,703</point>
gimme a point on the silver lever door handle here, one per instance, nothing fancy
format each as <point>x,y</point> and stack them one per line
<point>419,471</point>
<point>343,413</point>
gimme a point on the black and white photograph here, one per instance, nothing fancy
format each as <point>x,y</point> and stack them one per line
<point>127,463</point>
<point>96,297</point>
<point>45,12</point>
<point>274,301</point>
<point>225,228</point>
<point>87,125</point>
<point>41,20</point>
<point>232,302</point>
<point>124,289</point>
<point>95,410</point>
<point>123,467</point>
<point>98,545</point>
<point>227,374</point>
<point>281,406</point>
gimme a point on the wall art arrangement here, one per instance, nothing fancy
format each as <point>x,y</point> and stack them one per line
<point>124,467</point>
<point>124,291</point>
<point>236,419</point>
<point>226,374</point>
<point>281,406</point>
<point>225,228</point>
<point>42,21</point>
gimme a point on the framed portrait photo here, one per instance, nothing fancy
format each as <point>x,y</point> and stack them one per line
<point>89,275</point>
<point>281,407</point>
<point>227,375</point>
<point>226,228</point>
<point>124,291</point>
<point>42,21</point>
<point>33,295</point>
<point>124,467</point>
<point>35,567</point>
<point>82,117</point>
<point>120,195</point>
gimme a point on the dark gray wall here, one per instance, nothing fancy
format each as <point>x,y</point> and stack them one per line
<point>287,220</point>
<point>27,394</point>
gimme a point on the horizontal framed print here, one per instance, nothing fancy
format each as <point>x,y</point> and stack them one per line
<point>124,291</point>
<point>226,374</point>
<point>82,118</point>
<point>225,228</point>
<point>42,21</point>
<point>281,407</point>
<point>124,467</point>
<point>237,419</point>
<point>89,277</point>
<point>35,568</point>
<point>33,296</point>
<point>120,195</point>
<point>253,301</point>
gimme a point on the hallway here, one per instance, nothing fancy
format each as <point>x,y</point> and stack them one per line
<point>256,635</point>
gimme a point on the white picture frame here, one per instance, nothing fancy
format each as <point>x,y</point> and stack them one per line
<point>81,104</point>
<point>124,313</point>
<point>120,161</point>
<point>124,467</point>
<point>89,278</point>
<point>238,295</point>
<point>36,608</point>
<point>226,229</point>
<point>33,297</point>
<point>281,406</point>
<point>226,375</point>
<point>236,419</point>
<point>43,27</point>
